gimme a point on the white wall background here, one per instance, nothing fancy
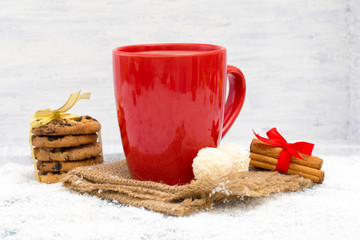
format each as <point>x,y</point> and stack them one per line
<point>301,60</point>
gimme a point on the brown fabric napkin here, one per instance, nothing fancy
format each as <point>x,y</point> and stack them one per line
<point>112,181</point>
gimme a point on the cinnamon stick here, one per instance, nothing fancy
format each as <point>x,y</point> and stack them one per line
<point>268,166</point>
<point>262,148</point>
<point>292,166</point>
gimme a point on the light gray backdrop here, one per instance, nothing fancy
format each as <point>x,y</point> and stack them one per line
<point>300,60</point>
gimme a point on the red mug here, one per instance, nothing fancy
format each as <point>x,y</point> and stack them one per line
<point>171,102</point>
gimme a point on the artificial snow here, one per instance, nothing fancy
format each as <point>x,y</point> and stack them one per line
<point>32,210</point>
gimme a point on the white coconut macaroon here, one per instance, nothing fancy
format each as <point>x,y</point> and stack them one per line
<point>226,159</point>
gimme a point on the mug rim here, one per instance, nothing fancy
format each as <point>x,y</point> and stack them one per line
<point>137,50</point>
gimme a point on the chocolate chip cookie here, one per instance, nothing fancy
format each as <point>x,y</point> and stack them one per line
<point>81,125</point>
<point>68,153</point>
<point>57,166</point>
<point>63,141</point>
<point>51,177</point>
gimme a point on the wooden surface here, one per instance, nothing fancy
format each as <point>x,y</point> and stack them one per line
<point>300,60</point>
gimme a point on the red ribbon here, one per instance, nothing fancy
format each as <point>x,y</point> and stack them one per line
<point>288,149</point>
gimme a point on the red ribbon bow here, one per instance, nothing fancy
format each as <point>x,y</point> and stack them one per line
<point>288,149</point>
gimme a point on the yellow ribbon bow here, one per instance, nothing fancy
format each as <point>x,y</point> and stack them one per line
<point>43,117</point>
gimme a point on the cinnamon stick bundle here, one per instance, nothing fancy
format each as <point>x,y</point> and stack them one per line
<point>262,148</point>
<point>265,156</point>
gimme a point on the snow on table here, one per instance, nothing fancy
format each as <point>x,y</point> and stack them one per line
<point>31,210</point>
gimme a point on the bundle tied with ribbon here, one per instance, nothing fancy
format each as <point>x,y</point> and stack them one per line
<point>43,117</point>
<point>276,154</point>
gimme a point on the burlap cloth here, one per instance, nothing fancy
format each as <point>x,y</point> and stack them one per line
<point>113,182</point>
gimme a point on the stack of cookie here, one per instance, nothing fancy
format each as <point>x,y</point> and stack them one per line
<point>64,144</point>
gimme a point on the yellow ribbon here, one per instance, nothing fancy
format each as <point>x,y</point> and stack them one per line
<point>43,117</point>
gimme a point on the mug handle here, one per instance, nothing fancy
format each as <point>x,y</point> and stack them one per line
<point>236,97</point>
